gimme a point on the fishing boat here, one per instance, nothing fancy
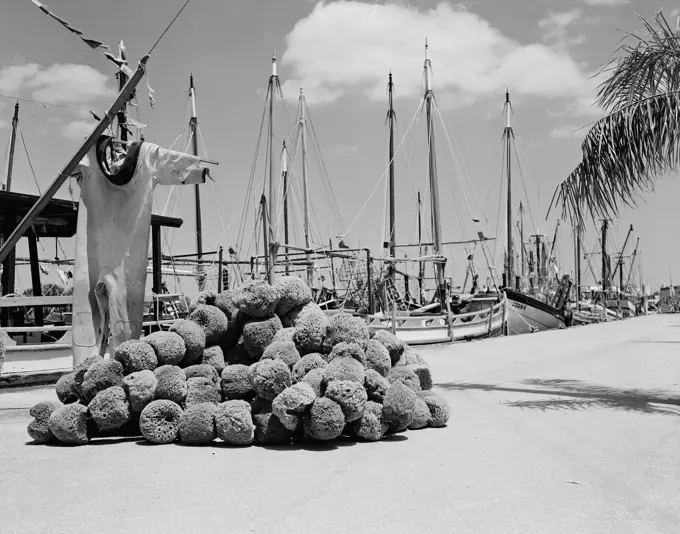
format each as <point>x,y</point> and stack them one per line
<point>528,310</point>
<point>444,317</point>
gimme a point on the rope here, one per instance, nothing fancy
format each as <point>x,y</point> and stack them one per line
<point>383,174</point>
<point>35,179</point>
<point>48,104</point>
<point>168,27</point>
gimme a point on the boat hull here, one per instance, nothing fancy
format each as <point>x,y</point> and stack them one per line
<point>430,330</point>
<point>527,314</point>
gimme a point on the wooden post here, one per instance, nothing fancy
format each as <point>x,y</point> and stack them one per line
<point>219,269</point>
<point>8,268</point>
<point>394,318</point>
<point>156,267</point>
<point>369,282</point>
<point>35,276</point>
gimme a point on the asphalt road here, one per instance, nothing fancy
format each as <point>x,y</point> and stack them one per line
<point>571,431</point>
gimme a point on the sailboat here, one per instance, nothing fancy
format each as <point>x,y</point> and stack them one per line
<point>526,313</point>
<point>476,316</point>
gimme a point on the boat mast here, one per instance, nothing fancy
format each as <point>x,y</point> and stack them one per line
<point>605,281</point>
<point>305,190</point>
<point>508,135</point>
<point>284,174</point>
<point>434,188</point>
<point>421,265</point>
<point>521,238</point>
<point>577,262</point>
<point>9,264</point>
<point>390,119</point>
<point>269,245</point>
<point>12,145</point>
<point>193,127</point>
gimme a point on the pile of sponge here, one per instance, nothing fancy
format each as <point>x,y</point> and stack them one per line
<point>262,364</point>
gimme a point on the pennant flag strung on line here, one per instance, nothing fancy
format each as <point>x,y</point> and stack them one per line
<point>90,42</point>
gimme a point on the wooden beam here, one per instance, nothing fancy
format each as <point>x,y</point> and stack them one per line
<point>35,276</point>
<point>157,276</point>
<point>19,302</point>
<point>56,184</point>
<point>8,267</point>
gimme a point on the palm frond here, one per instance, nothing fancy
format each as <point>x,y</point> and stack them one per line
<point>623,154</point>
<point>647,66</point>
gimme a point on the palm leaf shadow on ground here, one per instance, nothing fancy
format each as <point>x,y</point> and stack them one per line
<point>581,396</point>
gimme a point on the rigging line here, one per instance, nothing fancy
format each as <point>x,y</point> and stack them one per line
<point>384,172</point>
<point>48,104</point>
<point>169,25</point>
<point>326,183</point>
<point>385,236</point>
<point>520,165</point>
<point>240,236</point>
<point>409,159</point>
<point>223,217</point>
<point>500,199</point>
<point>335,206</point>
<point>460,164</point>
<point>455,162</point>
<point>526,194</point>
<point>23,142</point>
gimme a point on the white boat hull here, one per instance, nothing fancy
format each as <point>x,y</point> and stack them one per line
<point>427,330</point>
<point>526,315</point>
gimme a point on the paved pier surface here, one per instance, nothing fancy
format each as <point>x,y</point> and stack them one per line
<point>566,431</point>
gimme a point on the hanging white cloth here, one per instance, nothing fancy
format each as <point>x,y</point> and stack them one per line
<point>112,244</point>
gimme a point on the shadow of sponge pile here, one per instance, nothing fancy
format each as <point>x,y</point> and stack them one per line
<point>262,364</point>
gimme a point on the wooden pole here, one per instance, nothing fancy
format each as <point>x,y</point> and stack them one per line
<point>390,119</point>
<point>434,186</point>
<point>305,190</point>
<point>193,127</point>
<point>220,267</point>
<point>35,276</point>
<point>509,271</point>
<point>47,196</point>
<point>265,237</point>
<point>284,172</point>
<point>270,248</point>
<point>156,255</point>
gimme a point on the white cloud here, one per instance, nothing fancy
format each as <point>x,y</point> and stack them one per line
<point>349,46</point>
<point>78,130</point>
<point>3,123</point>
<point>69,83</point>
<point>66,83</point>
<point>606,2</point>
<point>558,27</point>
<point>13,77</point>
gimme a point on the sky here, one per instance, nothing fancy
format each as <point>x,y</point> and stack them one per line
<point>545,52</point>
